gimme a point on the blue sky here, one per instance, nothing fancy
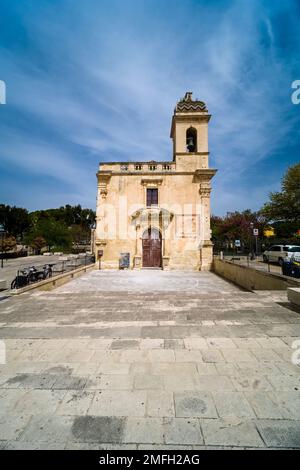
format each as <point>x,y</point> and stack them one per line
<point>92,80</point>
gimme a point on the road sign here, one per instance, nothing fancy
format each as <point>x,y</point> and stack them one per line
<point>255,232</point>
<point>237,243</point>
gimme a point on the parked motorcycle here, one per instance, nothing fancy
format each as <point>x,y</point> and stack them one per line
<point>47,271</point>
<point>20,280</point>
<point>30,275</point>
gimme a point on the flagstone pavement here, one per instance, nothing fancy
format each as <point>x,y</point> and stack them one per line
<point>150,360</point>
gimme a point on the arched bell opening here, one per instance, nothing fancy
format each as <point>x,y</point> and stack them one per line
<point>191,140</point>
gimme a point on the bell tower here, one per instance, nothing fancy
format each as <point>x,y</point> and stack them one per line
<point>189,132</point>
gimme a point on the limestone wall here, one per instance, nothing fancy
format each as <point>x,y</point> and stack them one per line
<point>252,279</point>
<point>178,193</point>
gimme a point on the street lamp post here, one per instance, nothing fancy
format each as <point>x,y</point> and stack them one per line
<point>2,233</point>
<point>251,241</point>
<point>256,245</point>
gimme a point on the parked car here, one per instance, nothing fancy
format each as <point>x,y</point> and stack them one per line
<point>293,252</point>
<point>281,253</point>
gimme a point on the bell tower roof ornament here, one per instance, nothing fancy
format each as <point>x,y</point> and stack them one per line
<point>188,96</point>
<point>187,104</point>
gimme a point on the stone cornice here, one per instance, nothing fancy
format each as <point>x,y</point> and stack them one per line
<point>104,175</point>
<point>157,175</point>
<point>205,174</point>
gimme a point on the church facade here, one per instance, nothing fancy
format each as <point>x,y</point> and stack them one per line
<point>157,214</point>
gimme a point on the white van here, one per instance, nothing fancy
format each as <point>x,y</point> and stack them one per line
<point>279,253</point>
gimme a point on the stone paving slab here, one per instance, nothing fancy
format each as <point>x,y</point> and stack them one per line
<point>194,405</point>
<point>182,431</point>
<point>231,432</point>
<point>233,405</point>
<point>149,360</point>
<point>280,433</point>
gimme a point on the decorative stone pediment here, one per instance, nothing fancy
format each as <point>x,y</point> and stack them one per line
<point>151,181</point>
<point>100,242</point>
<point>152,216</point>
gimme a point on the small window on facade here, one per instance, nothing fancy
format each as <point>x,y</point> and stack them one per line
<point>138,167</point>
<point>124,167</point>
<point>152,197</point>
<point>166,167</point>
<point>152,167</point>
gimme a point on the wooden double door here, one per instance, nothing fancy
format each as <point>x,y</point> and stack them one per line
<point>151,248</point>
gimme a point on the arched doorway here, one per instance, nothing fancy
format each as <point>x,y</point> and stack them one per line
<point>151,248</point>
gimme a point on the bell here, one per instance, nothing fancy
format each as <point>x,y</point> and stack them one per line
<point>190,144</point>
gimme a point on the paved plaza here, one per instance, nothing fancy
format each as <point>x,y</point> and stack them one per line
<point>151,360</point>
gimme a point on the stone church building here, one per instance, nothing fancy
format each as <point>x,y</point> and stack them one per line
<point>156,214</point>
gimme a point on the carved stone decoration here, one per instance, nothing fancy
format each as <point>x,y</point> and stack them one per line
<point>205,189</point>
<point>103,180</point>
<point>102,187</point>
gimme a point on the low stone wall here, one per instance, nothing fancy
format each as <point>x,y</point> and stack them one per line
<point>252,279</point>
<point>55,281</point>
<point>294,295</point>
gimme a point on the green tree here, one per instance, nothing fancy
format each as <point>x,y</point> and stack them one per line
<point>79,234</point>
<point>8,243</point>
<point>38,243</point>
<point>16,220</point>
<point>283,209</point>
<point>68,215</point>
<point>55,233</point>
<point>236,225</point>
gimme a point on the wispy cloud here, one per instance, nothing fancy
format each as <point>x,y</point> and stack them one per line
<point>90,81</point>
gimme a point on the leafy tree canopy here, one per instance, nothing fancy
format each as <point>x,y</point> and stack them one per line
<point>15,220</point>
<point>54,232</point>
<point>236,225</point>
<point>284,206</point>
<point>69,215</point>
<point>55,227</point>
<point>8,243</point>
